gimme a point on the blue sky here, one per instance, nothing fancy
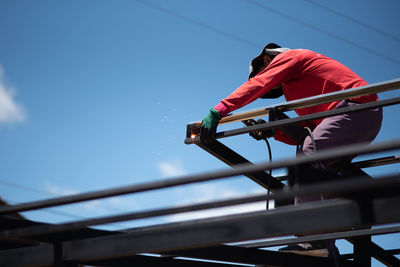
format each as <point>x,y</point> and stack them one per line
<point>97,94</point>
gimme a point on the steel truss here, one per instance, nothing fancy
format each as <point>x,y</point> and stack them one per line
<point>359,206</point>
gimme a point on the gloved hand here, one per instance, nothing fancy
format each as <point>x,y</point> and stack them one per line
<point>209,126</point>
<point>262,135</point>
<point>212,119</point>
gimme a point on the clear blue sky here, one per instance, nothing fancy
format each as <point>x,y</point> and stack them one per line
<point>97,94</point>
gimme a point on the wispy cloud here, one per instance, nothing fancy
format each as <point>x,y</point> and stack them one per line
<point>212,192</point>
<point>171,168</point>
<point>60,191</point>
<point>10,110</point>
<point>107,205</point>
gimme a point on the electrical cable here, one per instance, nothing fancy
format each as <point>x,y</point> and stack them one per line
<point>277,12</point>
<point>51,211</point>
<point>363,24</point>
<point>197,23</point>
<point>320,30</point>
<point>310,134</point>
<point>269,170</point>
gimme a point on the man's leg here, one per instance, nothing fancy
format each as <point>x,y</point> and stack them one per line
<point>341,130</point>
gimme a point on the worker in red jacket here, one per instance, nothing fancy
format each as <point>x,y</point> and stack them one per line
<point>297,74</point>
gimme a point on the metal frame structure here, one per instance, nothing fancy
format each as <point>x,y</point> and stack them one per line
<point>362,207</point>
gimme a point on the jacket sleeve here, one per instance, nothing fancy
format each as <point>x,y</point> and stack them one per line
<point>278,71</point>
<point>282,137</point>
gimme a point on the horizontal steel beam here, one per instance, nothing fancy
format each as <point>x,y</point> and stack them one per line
<point>358,149</point>
<point>42,255</point>
<point>320,237</point>
<point>141,260</point>
<point>373,187</point>
<point>296,120</point>
<point>255,256</point>
<point>327,216</point>
<point>315,100</point>
<point>377,162</point>
<point>231,158</point>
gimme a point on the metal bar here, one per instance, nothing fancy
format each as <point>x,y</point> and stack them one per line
<point>377,162</point>
<point>320,237</point>
<point>296,120</point>
<point>254,256</point>
<point>379,187</point>
<point>141,260</point>
<point>389,251</point>
<point>315,100</point>
<point>362,251</point>
<point>358,149</point>
<point>331,215</point>
<point>385,186</point>
<point>30,256</point>
<point>361,164</point>
<point>383,256</point>
<point>231,158</point>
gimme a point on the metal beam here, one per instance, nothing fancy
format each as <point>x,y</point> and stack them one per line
<point>255,256</point>
<point>377,162</point>
<point>141,260</point>
<point>296,120</point>
<point>358,149</point>
<point>327,216</point>
<point>315,100</point>
<point>42,255</point>
<point>320,237</point>
<point>231,158</point>
<point>384,186</point>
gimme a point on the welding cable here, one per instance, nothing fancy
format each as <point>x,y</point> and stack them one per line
<point>269,171</point>
<point>312,138</point>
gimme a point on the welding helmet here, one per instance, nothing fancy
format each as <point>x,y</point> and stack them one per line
<point>257,64</point>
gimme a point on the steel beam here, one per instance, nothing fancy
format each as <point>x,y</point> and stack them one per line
<point>321,237</point>
<point>358,149</point>
<point>255,256</point>
<point>315,100</point>
<point>328,216</point>
<point>296,120</point>
<point>231,158</point>
<point>382,187</point>
<point>141,260</point>
<point>42,255</point>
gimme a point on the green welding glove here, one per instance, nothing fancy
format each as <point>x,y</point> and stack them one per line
<point>209,127</point>
<point>211,120</point>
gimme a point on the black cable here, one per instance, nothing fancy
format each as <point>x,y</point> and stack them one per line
<point>363,24</point>
<point>269,170</point>
<point>52,211</point>
<point>197,23</point>
<point>334,36</point>
<point>312,138</point>
<point>277,12</point>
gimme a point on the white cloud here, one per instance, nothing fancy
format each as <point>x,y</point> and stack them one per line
<point>171,168</point>
<point>257,206</point>
<point>10,110</point>
<point>213,192</point>
<point>60,191</point>
<point>113,204</point>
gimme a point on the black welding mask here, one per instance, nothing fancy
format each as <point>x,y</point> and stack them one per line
<point>257,65</point>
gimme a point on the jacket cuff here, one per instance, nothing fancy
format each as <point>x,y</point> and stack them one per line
<point>222,109</point>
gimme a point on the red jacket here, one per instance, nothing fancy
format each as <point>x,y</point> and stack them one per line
<point>302,73</point>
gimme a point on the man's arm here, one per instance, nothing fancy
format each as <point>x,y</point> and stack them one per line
<point>280,69</point>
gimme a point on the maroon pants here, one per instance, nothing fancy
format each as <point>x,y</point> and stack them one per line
<point>342,130</point>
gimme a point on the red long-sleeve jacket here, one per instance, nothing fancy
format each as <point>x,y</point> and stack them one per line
<point>302,73</point>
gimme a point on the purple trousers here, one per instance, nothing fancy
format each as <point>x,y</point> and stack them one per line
<point>342,130</point>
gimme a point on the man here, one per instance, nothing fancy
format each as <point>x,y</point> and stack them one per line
<point>297,74</point>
